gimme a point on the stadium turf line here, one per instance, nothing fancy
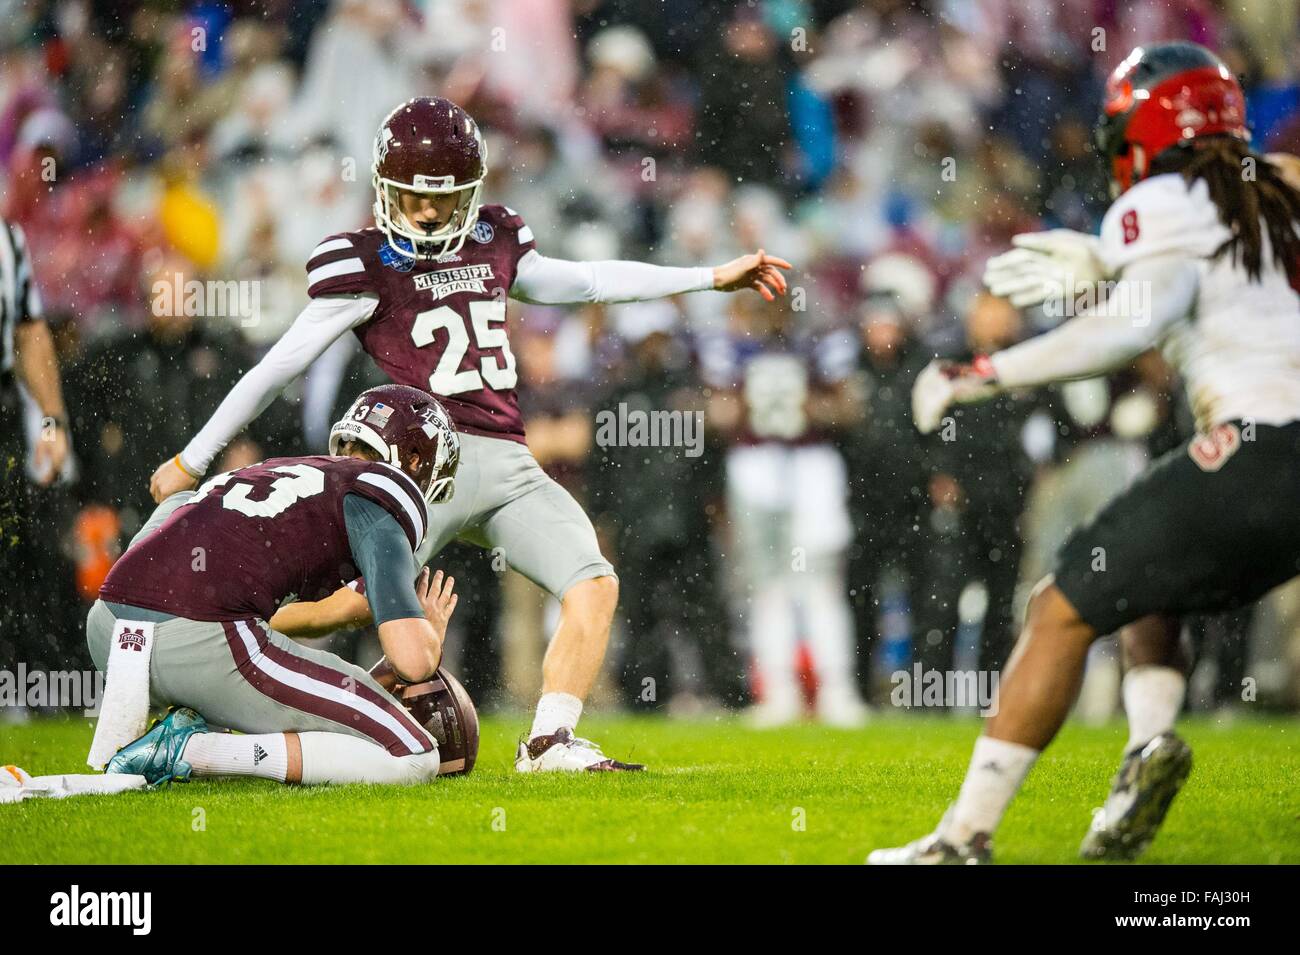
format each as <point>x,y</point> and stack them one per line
<point>716,792</point>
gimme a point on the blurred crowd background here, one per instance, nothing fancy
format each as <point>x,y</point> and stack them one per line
<point>886,147</point>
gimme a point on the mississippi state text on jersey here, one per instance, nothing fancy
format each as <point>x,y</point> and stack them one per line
<point>439,325</point>
<point>253,537</point>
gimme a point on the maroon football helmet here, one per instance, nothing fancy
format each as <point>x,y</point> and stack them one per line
<point>429,146</point>
<point>398,421</point>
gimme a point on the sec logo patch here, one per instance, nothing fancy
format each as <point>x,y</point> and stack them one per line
<point>394,259</point>
<point>482,233</point>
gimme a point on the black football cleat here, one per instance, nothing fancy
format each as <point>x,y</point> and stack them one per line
<point>1140,795</point>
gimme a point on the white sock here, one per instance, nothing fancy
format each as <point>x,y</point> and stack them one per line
<point>555,710</point>
<point>339,758</point>
<point>1153,697</point>
<point>233,754</point>
<point>997,768</point>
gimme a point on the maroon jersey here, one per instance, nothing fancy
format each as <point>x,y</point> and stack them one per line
<point>253,537</point>
<point>440,325</point>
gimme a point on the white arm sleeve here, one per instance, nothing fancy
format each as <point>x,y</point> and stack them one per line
<point>1152,295</point>
<point>544,281</point>
<point>317,327</point>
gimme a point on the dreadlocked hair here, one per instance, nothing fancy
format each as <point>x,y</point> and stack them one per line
<point>1243,201</point>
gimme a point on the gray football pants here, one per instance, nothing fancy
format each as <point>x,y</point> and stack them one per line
<point>245,676</point>
<point>506,503</point>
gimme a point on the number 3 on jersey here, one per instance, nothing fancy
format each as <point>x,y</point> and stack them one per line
<point>488,320</point>
<point>293,483</point>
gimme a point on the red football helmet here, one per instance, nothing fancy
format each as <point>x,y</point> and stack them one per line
<point>429,146</point>
<point>398,421</point>
<point>1161,97</point>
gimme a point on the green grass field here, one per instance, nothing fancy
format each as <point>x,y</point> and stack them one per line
<point>716,792</point>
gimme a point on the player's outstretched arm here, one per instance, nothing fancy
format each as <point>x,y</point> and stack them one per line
<point>319,325</point>
<point>758,270</point>
<point>345,609</point>
<point>1151,295</point>
<point>1045,265</point>
<point>547,281</point>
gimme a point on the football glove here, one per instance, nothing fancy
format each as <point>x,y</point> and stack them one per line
<point>943,384</point>
<point>1044,265</point>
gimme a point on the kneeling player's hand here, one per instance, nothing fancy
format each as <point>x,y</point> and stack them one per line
<point>943,384</point>
<point>169,479</point>
<point>438,598</point>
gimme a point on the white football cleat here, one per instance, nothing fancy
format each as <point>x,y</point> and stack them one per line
<point>938,849</point>
<point>935,850</point>
<point>562,752</point>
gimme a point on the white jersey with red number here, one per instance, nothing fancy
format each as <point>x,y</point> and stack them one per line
<point>1238,346</point>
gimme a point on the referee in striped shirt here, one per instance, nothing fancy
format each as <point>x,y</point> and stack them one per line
<point>27,358</point>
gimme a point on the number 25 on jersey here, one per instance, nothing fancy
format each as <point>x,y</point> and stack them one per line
<point>488,321</point>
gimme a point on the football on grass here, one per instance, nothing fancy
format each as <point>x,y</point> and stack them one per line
<point>441,705</point>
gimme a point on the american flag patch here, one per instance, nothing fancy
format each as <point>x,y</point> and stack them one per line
<point>379,415</point>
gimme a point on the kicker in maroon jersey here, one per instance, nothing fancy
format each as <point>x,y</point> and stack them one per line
<point>441,325</point>
<point>255,536</point>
